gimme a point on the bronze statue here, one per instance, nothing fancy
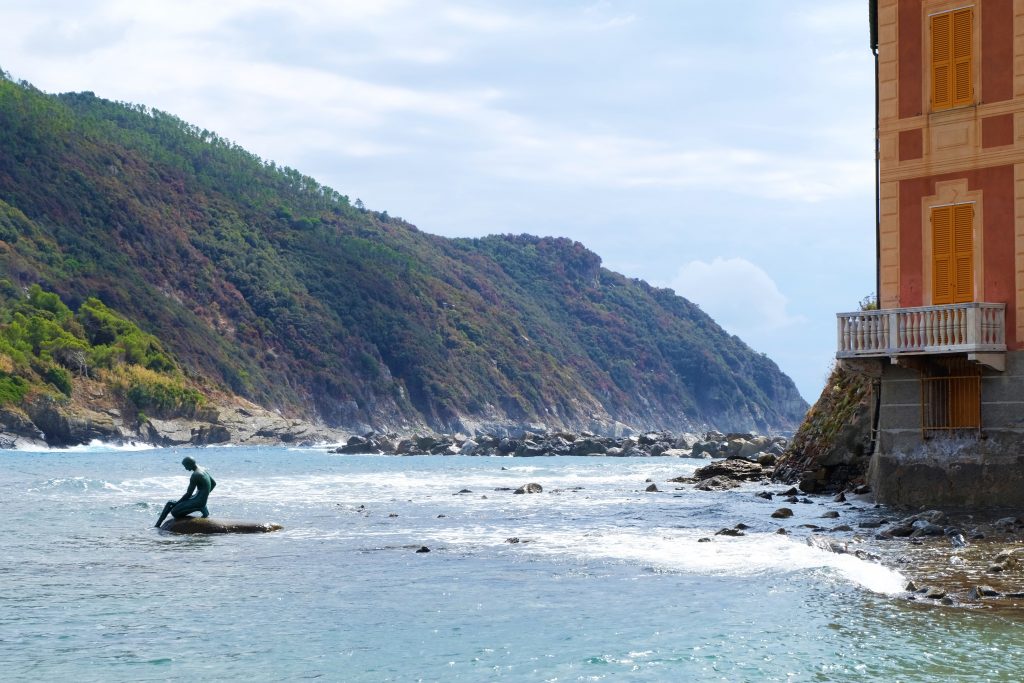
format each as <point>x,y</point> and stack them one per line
<point>200,484</point>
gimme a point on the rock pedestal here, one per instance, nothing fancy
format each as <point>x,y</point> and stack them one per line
<point>208,525</point>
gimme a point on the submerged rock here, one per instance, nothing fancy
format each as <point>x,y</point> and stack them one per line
<point>530,488</point>
<point>208,525</point>
<point>982,591</point>
<point>826,544</point>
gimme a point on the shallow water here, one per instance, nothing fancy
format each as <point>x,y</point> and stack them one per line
<point>607,582</point>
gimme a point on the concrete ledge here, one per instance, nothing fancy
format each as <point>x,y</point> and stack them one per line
<point>208,525</point>
<point>951,472</point>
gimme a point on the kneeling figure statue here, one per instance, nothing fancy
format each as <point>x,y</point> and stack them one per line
<point>200,484</point>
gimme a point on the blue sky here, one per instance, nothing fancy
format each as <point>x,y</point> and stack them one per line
<point>723,149</point>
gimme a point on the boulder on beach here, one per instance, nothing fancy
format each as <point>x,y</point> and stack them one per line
<point>208,525</point>
<point>740,470</point>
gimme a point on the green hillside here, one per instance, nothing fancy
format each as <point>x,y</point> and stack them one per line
<point>261,282</point>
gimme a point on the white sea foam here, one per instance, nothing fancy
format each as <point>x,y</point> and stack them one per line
<point>94,446</point>
<point>680,550</point>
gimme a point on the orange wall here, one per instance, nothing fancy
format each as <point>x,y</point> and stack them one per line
<point>999,285</point>
<point>911,60</point>
<point>997,50</point>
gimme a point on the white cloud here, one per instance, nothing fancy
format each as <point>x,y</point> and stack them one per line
<point>613,161</point>
<point>738,294</point>
<point>477,20</point>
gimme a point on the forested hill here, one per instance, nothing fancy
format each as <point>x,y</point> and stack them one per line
<point>265,283</point>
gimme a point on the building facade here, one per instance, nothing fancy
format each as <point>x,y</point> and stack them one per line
<point>947,341</point>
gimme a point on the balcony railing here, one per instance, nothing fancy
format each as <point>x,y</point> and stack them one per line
<point>954,328</point>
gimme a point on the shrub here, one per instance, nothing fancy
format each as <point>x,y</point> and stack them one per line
<point>12,389</point>
<point>155,394</point>
<point>58,377</point>
<point>104,328</point>
<point>48,301</point>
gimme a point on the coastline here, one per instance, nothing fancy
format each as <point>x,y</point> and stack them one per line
<point>957,558</point>
<point>971,558</point>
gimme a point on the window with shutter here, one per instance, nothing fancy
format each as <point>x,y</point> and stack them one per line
<point>952,51</point>
<point>952,254</point>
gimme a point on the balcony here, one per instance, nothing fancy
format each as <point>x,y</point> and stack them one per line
<point>976,329</point>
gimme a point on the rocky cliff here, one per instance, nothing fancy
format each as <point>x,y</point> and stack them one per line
<point>832,448</point>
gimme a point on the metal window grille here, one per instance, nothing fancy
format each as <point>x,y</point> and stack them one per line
<point>951,398</point>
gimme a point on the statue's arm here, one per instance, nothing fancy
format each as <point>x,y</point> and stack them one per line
<point>213,482</point>
<point>191,489</point>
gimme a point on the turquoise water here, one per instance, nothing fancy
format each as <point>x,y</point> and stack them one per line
<point>607,582</point>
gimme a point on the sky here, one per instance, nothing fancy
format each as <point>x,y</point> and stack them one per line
<point>720,149</point>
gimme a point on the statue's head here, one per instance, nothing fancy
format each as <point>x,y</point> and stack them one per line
<point>188,463</point>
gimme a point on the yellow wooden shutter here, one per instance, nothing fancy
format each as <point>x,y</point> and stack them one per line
<point>961,49</point>
<point>963,253</point>
<point>942,255</point>
<point>942,61</point>
<point>952,254</point>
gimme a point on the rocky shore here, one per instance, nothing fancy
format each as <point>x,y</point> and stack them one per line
<point>45,423</point>
<point>952,558</point>
<point>749,447</point>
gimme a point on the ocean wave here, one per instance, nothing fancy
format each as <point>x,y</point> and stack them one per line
<point>682,550</point>
<point>77,484</point>
<point>94,446</point>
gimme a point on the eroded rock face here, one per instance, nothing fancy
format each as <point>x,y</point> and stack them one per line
<point>208,525</point>
<point>70,426</point>
<point>739,470</point>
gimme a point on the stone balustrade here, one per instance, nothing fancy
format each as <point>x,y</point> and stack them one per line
<point>952,328</point>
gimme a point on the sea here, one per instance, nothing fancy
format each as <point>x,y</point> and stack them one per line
<point>593,579</point>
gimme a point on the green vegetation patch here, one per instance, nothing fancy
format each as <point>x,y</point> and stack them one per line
<point>12,389</point>
<point>44,344</point>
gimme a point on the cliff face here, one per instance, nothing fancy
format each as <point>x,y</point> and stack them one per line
<point>832,448</point>
<point>275,288</point>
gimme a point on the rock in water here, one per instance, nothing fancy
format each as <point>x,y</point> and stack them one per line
<point>828,545</point>
<point>208,525</point>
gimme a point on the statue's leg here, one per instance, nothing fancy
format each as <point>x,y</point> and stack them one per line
<point>185,508</point>
<point>205,511</point>
<point>166,511</point>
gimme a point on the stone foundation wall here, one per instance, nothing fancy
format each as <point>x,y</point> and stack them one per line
<point>965,470</point>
